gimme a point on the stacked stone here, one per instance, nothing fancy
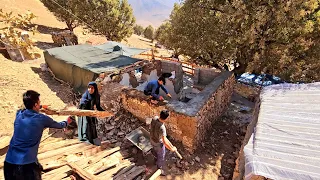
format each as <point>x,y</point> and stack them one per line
<point>214,108</point>
<point>114,129</point>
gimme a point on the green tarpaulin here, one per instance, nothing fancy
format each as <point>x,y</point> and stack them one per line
<point>80,64</point>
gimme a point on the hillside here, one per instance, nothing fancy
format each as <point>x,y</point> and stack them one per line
<point>152,12</point>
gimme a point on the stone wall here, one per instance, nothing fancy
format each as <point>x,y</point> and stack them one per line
<point>239,170</point>
<point>188,122</point>
<point>205,76</point>
<point>168,67</point>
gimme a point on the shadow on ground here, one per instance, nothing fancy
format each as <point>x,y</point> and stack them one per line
<point>45,45</point>
<point>63,91</point>
<point>45,29</point>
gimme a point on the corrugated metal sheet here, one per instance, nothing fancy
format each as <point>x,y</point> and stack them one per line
<point>286,140</point>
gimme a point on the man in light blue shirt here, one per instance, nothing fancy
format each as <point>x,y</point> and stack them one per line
<point>21,161</point>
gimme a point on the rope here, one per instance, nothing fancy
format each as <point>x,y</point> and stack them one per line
<point>73,14</point>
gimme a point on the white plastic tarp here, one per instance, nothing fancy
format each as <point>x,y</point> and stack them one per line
<point>286,141</point>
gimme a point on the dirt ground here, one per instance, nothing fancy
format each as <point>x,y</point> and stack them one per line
<point>220,149</point>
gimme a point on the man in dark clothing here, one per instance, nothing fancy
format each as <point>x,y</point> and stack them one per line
<point>158,139</point>
<point>153,89</point>
<point>21,161</point>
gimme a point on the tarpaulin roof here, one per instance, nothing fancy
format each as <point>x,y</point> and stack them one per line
<point>285,143</point>
<point>93,58</point>
<point>121,49</point>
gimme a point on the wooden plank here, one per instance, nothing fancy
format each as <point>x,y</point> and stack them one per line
<point>124,171</point>
<point>85,175</point>
<point>155,175</point>
<point>57,145</point>
<point>1,174</point>
<point>4,141</point>
<point>104,164</point>
<point>47,141</point>
<point>131,174</point>
<point>86,162</point>
<point>57,173</point>
<point>64,151</point>
<point>61,160</point>
<point>78,112</point>
<point>109,173</point>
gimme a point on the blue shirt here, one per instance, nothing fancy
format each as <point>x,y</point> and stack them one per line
<point>28,128</point>
<point>153,87</point>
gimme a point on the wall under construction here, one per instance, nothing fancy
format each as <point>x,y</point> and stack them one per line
<point>188,122</point>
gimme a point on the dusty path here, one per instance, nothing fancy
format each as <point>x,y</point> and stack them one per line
<point>16,78</point>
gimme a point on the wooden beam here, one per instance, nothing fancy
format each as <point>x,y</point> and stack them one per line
<point>65,151</point>
<point>4,141</point>
<point>78,112</point>
<point>124,171</point>
<point>61,160</point>
<point>50,141</point>
<point>109,173</point>
<point>104,163</point>
<point>58,145</point>
<point>131,174</point>
<point>155,175</point>
<point>86,162</point>
<point>52,174</point>
<point>85,175</point>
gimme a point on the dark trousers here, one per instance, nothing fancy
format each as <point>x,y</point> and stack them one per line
<point>87,130</point>
<point>22,172</point>
<point>160,151</point>
<point>149,94</point>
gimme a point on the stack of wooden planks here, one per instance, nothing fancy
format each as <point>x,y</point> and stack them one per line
<point>63,158</point>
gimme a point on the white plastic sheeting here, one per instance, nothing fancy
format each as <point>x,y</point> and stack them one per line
<point>286,141</point>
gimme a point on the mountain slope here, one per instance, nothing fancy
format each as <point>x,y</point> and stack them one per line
<point>151,12</point>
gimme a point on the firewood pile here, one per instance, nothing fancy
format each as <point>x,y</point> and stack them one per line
<point>71,159</point>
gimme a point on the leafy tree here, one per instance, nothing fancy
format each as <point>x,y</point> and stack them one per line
<point>270,36</point>
<point>138,30</point>
<point>111,18</point>
<point>148,32</point>
<point>11,35</point>
<point>64,10</point>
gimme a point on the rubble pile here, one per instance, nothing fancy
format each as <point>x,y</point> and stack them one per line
<point>115,128</point>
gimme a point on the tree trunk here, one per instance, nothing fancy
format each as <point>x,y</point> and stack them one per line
<point>70,26</point>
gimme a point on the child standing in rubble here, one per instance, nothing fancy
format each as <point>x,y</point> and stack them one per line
<point>158,139</point>
<point>87,130</point>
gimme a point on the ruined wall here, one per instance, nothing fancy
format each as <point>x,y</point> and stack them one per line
<point>188,122</point>
<point>216,104</point>
<point>205,76</point>
<point>168,67</point>
<point>179,126</point>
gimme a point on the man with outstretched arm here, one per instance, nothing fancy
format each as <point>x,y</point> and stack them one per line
<point>153,89</point>
<point>21,161</point>
<point>158,139</point>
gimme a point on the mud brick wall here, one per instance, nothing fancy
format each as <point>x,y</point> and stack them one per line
<point>188,122</point>
<point>205,76</point>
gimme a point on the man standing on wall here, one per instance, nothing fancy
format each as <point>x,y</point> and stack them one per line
<point>158,139</point>
<point>153,89</point>
<point>21,161</point>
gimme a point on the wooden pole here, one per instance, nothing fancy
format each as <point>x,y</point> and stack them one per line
<point>77,112</point>
<point>155,175</point>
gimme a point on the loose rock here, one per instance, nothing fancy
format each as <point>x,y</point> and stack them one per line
<point>230,161</point>
<point>197,159</point>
